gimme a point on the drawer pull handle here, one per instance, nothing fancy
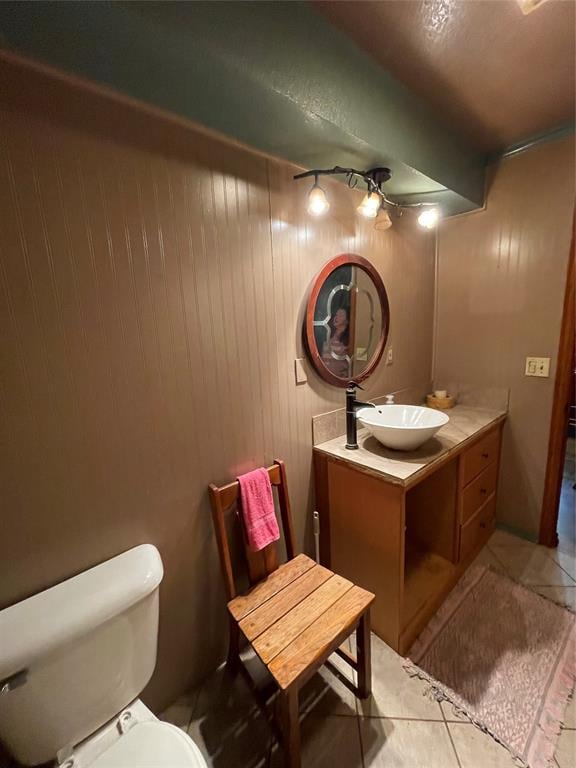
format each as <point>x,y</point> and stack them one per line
<point>483,491</point>
<point>485,455</point>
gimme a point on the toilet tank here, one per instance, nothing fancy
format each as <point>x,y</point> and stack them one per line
<point>73,656</point>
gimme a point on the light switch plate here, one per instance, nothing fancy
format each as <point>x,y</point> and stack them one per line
<point>537,366</point>
<point>390,356</point>
<point>300,371</point>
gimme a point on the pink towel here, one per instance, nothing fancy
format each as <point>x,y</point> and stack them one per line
<point>258,509</point>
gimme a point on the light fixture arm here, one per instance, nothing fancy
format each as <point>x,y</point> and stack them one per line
<point>373,177</point>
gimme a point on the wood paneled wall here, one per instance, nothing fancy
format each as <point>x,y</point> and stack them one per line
<point>501,281</point>
<point>152,287</point>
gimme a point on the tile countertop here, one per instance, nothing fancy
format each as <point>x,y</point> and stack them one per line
<point>403,467</point>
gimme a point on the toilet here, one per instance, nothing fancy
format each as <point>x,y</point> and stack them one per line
<point>73,661</point>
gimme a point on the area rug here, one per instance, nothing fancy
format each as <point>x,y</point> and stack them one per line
<point>505,658</point>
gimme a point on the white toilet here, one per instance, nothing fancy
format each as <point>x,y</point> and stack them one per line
<point>73,660</point>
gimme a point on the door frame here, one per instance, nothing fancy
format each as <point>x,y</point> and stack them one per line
<point>560,409</point>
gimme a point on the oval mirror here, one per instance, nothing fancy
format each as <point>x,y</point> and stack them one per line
<point>347,320</point>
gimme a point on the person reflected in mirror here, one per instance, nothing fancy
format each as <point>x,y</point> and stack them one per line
<point>337,347</point>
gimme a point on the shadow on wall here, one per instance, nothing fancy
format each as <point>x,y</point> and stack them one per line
<point>517,483</point>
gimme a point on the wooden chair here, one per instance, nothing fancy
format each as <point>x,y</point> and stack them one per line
<point>294,615</point>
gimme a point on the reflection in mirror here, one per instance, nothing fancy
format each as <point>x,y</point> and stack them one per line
<point>368,322</point>
<point>332,321</point>
<point>348,324</point>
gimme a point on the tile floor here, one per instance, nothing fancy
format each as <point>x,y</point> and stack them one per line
<point>399,727</point>
<point>566,516</point>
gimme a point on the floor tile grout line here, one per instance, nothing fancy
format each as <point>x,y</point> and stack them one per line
<point>453,745</point>
<point>359,727</point>
<point>502,564</point>
<point>402,719</point>
<point>565,571</point>
<point>498,560</point>
<point>450,736</point>
<point>549,556</point>
<point>550,586</point>
<point>536,547</point>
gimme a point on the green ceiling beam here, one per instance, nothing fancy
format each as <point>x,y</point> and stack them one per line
<point>274,75</point>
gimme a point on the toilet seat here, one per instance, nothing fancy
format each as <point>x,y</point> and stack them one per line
<point>135,739</point>
<point>152,745</point>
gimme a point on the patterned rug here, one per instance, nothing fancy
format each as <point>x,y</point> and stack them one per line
<point>505,657</point>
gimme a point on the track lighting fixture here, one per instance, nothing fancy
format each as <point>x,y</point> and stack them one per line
<point>317,201</point>
<point>429,218</point>
<point>375,204</point>
<point>383,220</point>
<point>370,205</point>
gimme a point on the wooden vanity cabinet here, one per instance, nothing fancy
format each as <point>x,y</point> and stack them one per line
<point>408,542</point>
<point>479,465</point>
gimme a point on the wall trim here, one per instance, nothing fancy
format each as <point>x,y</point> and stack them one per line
<point>560,404</point>
<point>530,142</point>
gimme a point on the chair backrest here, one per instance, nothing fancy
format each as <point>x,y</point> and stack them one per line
<point>259,564</point>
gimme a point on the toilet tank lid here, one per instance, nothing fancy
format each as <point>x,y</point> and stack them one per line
<point>48,620</point>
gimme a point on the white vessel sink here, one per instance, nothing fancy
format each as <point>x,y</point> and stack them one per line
<point>402,427</point>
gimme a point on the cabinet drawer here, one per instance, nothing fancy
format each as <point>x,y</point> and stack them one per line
<point>478,491</point>
<point>480,455</point>
<point>478,528</point>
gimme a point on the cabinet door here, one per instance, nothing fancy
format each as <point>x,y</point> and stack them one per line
<point>367,541</point>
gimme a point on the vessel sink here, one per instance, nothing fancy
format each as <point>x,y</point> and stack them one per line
<point>402,427</point>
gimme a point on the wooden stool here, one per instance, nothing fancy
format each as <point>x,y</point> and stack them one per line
<point>294,616</point>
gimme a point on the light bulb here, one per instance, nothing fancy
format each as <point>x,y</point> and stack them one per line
<point>317,202</point>
<point>383,220</point>
<point>370,205</point>
<point>429,218</point>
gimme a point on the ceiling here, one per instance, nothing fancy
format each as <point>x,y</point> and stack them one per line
<point>276,76</point>
<point>493,73</point>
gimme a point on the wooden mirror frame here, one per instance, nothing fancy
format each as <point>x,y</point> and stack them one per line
<point>345,259</point>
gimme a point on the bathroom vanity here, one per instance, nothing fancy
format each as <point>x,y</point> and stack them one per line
<point>406,525</point>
